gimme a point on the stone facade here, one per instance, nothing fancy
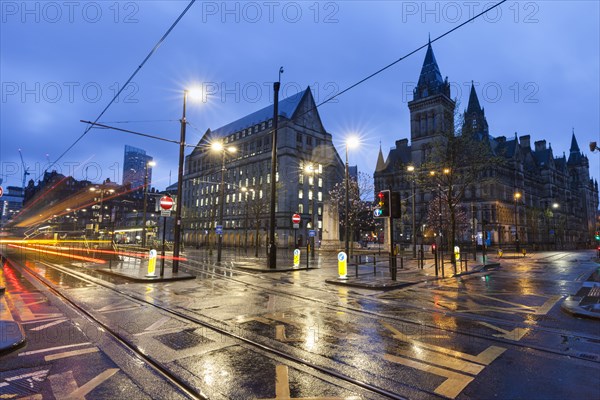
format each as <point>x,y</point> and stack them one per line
<point>308,166</point>
<point>557,201</point>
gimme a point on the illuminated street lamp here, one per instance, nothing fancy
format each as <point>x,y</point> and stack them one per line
<point>555,206</point>
<point>313,170</point>
<point>411,169</point>
<point>517,196</point>
<point>144,210</point>
<point>219,147</point>
<point>179,203</point>
<point>351,142</point>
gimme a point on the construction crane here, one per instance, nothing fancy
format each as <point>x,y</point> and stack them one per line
<point>25,170</point>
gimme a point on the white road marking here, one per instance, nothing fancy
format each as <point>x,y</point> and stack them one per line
<point>64,385</point>
<point>73,353</point>
<point>28,353</point>
<point>42,327</point>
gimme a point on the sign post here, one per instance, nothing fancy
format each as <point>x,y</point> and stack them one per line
<point>151,264</point>
<point>296,258</point>
<point>296,224</point>
<point>166,203</point>
<point>342,265</point>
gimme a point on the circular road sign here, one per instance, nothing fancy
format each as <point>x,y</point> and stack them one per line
<point>1,191</point>
<point>166,202</point>
<point>296,218</point>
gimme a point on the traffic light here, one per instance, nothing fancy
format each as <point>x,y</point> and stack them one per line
<point>396,205</point>
<point>597,235</point>
<point>382,209</point>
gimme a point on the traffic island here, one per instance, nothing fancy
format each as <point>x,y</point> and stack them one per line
<point>586,302</point>
<point>12,335</point>
<point>140,273</point>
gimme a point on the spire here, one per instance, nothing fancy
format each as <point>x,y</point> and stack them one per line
<point>380,162</point>
<point>473,101</point>
<point>430,79</point>
<point>574,145</point>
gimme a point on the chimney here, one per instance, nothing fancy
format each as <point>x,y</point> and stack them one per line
<point>401,143</point>
<point>525,141</point>
<point>540,145</point>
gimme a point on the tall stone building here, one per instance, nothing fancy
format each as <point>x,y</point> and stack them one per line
<point>308,166</point>
<point>533,196</point>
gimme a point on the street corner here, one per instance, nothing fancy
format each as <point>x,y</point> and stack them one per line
<point>12,336</point>
<point>573,305</point>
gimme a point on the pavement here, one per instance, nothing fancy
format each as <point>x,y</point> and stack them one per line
<point>586,302</point>
<point>12,335</point>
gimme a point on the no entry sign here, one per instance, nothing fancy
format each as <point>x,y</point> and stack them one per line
<point>296,218</point>
<point>166,202</point>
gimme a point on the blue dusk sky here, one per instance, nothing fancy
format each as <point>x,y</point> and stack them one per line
<point>535,65</point>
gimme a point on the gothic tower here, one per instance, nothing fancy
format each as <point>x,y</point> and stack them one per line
<point>474,121</point>
<point>431,110</point>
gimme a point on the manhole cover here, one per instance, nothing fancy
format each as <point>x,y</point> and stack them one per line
<point>182,340</point>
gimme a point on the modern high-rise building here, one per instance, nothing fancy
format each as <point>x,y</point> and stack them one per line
<point>135,162</point>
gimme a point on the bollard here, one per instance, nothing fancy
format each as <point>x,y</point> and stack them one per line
<point>151,264</point>
<point>342,265</point>
<point>401,262</point>
<point>374,265</point>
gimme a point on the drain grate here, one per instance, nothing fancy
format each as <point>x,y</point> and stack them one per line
<point>182,340</point>
<point>587,356</point>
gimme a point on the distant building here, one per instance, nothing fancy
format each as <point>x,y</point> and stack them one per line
<point>558,201</point>
<point>135,162</point>
<point>308,166</point>
<point>10,203</point>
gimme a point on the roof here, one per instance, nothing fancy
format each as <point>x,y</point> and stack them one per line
<point>473,101</point>
<point>430,72</point>
<point>287,108</point>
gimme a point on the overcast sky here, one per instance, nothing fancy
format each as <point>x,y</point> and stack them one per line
<point>535,65</point>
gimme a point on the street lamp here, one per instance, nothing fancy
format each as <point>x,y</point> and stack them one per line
<point>245,190</point>
<point>517,196</point>
<point>144,217</point>
<point>219,147</point>
<point>411,169</point>
<point>179,202</point>
<point>351,142</point>
<point>555,206</point>
<point>313,170</point>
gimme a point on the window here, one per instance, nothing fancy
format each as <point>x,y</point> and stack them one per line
<point>320,196</point>
<point>320,182</point>
<point>299,137</point>
<point>310,194</point>
<point>300,194</point>
<point>270,123</point>
<point>309,140</point>
<point>263,126</point>
<point>301,178</point>
<point>311,180</point>
<point>301,208</point>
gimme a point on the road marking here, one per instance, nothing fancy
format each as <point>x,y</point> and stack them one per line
<point>443,357</point>
<point>282,386</point>
<point>282,382</point>
<point>155,326</point>
<point>110,309</point>
<point>28,353</point>
<point>451,387</point>
<point>64,385</point>
<point>37,321</point>
<point>5,313</point>
<point>545,308</point>
<point>443,360</point>
<point>516,334</point>
<point>485,357</point>
<point>73,353</point>
<point>280,335</point>
<point>42,327</point>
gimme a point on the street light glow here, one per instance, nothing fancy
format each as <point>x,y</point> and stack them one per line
<point>217,146</point>
<point>352,141</point>
<point>517,195</point>
<point>410,168</point>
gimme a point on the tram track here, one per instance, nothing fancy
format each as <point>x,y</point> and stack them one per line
<point>449,313</point>
<point>162,369</point>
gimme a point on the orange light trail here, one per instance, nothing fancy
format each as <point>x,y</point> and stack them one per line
<point>120,253</point>
<point>90,259</point>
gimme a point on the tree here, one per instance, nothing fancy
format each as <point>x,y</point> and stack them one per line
<point>360,199</point>
<point>456,163</point>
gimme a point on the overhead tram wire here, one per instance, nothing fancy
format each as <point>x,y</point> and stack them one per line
<point>337,94</point>
<point>401,58</point>
<point>154,49</point>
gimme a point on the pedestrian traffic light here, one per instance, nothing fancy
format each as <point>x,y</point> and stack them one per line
<point>382,209</point>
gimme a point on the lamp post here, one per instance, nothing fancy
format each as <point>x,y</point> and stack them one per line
<point>555,207</point>
<point>517,196</point>
<point>411,169</point>
<point>313,171</point>
<point>144,210</point>
<point>245,190</point>
<point>219,147</point>
<point>272,260</point>
<point>351,142</point>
